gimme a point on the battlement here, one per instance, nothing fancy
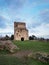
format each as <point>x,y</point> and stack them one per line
<point>19,25</point>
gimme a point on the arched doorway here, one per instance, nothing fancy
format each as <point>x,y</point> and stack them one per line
<point>22,39</point>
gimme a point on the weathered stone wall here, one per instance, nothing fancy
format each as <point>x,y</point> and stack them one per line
<point>20,31</point>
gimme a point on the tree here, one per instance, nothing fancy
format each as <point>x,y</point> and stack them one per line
<point>47,39</point>
<point>41,39</point>
<point>34,37</point>
<point>7,37</point>
<point>30,38</point>
<point>12,37</point>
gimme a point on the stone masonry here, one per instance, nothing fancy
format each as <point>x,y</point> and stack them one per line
<point>20,31</point>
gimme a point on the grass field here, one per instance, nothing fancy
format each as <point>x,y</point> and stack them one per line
<point>12,60</point>
<point>35,46</point>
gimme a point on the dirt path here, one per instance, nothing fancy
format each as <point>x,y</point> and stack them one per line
<point>21,54</point>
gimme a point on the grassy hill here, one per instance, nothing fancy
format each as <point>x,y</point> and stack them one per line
<point>35,46</point>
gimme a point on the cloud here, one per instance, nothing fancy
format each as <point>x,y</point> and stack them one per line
<point>12,3</point>
<point>40,1</point>
<point>41,26</point>
<point>6,26</point>
<point>2,22</point>
<point>34,13</point>
<point>40,31</point>
<point>45,16</point>
<point>8,30</point>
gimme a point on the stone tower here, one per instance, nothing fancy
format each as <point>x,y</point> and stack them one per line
<point>20,31</point>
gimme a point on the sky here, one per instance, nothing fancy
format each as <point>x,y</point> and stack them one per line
<point>35,13</point>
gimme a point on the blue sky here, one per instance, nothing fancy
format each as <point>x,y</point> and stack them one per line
<point>35,13</point>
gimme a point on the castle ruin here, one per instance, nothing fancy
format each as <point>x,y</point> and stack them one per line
<point>20,31</point>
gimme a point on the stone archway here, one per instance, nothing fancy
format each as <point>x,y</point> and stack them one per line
<point>22,38</point>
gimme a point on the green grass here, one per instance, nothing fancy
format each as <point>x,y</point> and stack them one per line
<point>35,46</point>
<point>12,60</point>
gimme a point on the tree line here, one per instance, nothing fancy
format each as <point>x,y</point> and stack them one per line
<point>7,37</point>
<point>33,37</point>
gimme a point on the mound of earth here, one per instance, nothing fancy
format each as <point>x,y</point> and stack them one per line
<point>8,45</point>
